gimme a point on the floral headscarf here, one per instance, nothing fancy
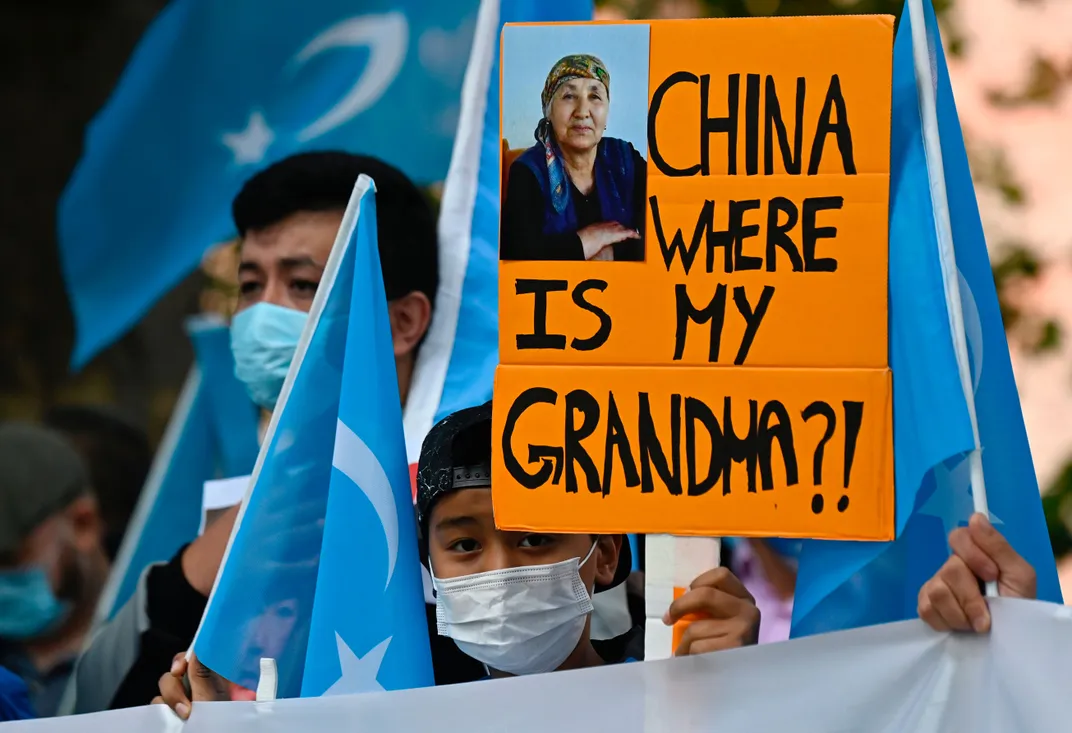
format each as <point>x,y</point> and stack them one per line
<point>568,68</point>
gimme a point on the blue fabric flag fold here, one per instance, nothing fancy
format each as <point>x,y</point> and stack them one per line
<point>368,631</point>
<point>843,584</point>
<point>262,602</point>
<point>214,92</point>
<point>212,431</point>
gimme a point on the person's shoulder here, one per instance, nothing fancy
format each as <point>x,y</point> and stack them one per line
<point>624,149</point>
<point>621,144</point>
<point>533,155</point>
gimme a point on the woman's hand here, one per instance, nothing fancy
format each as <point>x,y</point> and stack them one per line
<point>726,611</point>
<point>204,685</point>
<point>596,237</point>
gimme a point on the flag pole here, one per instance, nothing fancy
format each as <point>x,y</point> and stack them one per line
<point>926,86</point>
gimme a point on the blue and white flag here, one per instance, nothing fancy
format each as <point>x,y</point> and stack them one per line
<point>212,430</point>
<point>214,92</point>
<point>369,631</point>
<point>262,602</point>
<point>845,584</point>
<point>456,365</point>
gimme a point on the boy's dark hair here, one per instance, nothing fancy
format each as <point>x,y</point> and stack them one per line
<point>323,181</point>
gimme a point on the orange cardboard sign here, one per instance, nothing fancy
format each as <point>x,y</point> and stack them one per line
<point>703,213</point>
<point>775,452</point>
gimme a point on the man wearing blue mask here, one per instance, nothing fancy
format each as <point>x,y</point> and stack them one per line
<point>287,217</point>
<point>52,559</point>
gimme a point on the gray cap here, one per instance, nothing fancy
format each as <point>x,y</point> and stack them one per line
<point>40,474</point>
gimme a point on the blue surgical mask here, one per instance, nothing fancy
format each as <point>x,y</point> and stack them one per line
<point>28,607</point>
<point>263,340</point>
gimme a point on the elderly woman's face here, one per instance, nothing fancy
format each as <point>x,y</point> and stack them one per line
<point>579,113</point>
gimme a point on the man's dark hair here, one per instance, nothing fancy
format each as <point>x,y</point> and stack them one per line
<point>323,181</point>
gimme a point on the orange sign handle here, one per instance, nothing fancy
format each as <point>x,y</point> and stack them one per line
<point>683,623</point>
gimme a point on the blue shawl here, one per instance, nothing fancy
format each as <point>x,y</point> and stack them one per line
<point>614,179</point>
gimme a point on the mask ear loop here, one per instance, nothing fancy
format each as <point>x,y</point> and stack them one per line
<point>431,574</point>
<point>590,552</point>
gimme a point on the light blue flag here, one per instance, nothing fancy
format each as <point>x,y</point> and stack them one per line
<point>218,89</point>
<point>232,414</point>
<point>842,584</point>
<point>262,602</point>
<point>212,430</point>
<point>369,631</point>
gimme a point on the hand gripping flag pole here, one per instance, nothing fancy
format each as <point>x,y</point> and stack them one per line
<point>926,85</point>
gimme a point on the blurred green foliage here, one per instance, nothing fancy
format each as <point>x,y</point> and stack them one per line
<point>1043,86</point>
<point>1057,506</point>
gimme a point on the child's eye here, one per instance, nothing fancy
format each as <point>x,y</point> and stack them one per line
<point>466,544</point>
<point>536,540</point>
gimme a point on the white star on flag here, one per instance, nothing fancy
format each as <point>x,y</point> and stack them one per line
<point>952,501</point>
<point>250,145</point>
<point>358,674</point>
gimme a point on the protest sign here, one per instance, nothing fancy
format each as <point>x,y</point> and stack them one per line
<point>694,274</point>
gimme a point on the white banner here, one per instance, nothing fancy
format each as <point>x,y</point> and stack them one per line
<point>897,677</point>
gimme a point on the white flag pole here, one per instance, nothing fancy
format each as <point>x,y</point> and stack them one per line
<point>926,86</point>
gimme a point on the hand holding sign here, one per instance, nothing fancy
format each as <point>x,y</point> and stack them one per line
<point>720,612</point>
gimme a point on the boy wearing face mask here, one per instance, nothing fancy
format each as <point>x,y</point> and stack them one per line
<point>52,563</point>
<point>520,601</point>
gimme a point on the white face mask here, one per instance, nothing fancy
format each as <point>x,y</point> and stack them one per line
<point>523,620</point>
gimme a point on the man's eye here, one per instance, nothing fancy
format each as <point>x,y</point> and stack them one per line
<point>306,287</point>
<point>464,545</point>
<point>249,287</point>
<point>536,540</point>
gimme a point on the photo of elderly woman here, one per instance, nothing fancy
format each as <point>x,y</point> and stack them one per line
<point>578,193</point>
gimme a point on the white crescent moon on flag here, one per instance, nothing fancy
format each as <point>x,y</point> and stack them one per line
<point>387,38</point>
<point>359,464</point>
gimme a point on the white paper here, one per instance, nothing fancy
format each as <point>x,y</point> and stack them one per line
<point>221,494</point>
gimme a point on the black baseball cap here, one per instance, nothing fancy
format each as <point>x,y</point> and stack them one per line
<point>456,455</point>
